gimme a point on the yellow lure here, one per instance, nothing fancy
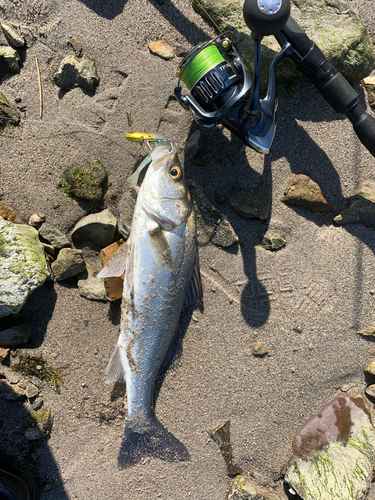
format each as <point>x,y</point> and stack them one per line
<point>141,137</point>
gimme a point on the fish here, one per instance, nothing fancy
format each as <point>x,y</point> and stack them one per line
<point>161,265</point>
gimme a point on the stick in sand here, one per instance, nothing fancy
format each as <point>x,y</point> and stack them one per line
<point>40,86</point>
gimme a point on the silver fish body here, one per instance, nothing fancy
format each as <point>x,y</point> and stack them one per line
<point>161,274</point>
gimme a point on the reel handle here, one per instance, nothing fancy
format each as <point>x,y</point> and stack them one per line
<point>335,89</point>
<point>266,17</point>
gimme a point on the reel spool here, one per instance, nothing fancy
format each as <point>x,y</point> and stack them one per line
<point>216,78</point>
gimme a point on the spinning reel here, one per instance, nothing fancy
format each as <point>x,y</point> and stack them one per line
<point>223,91</point>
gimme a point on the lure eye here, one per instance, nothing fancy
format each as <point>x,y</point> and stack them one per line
<point>176,173</point>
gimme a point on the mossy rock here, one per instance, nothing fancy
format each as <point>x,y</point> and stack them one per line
<point>87,182</point>
<point>8,112</point>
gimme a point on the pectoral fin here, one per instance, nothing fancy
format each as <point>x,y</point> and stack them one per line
<point>115,371</point>
<point>117,263</point>
<point>161,247</point>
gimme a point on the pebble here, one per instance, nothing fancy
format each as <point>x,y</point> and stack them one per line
<point>260,350</point>
<point>15,336</point>
<point>7,212</point>
<point>273,240</point>
<point>14,38</point>
<point>36,220</point>
<point>31,391</point>
<point>77,72</point>
<point>90,286</point>
<point>361,206</point>
<point>11,392</point>
<point>302,191</point>
<point>98,228</point>
<point>161,49</point>
<point>68,263</point>
<point>54,237</point>
<point>255,203</point>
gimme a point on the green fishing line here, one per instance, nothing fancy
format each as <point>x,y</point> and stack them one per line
<point>200,64</point>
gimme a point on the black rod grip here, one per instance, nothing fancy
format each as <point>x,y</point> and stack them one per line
<point>364,127</point>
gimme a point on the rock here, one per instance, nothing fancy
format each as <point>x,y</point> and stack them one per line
<point>333,25</point>
<point>217,228</point>
<point>333,452</point>
<point>369,84</point>
<point>273,240</point>
<point>6,212</point>
<point>33,434</point>
<point>260,350</point>
<point>76,45</point>
<point>220,434</point>
<point>252,204</point>
<point>4,353</point>
<point>370,368</point>
<point>9,60</point>
<point>54,237</point>
<point>361,206</point>
<point>85,182</point>
<point>126,208</point>
<point>31,391</point>
<point>77,72</point>
<point>113,286</point>
<point>90,286</point>
<point>370,391</point>
<point>367,332</point>
<point>99,228</point>
<point>302,191</point>
<point>23,267</point>
<point>9,114</point>
<point>161,49</point>
<point>11,392</point>
<point>36,220</point>
<point>15,336</point>
<point>194,144</point>
<point>11,34</point>
<point>68,263</point>
<point>246,489</point>
<point>44,420</point>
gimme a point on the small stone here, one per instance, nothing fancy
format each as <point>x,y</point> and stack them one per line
<point>297,329</point>
<point>161,49</point>
<point>11,392</point>
<point>369,84</point>
<point>76,45</point>
<point>245,488</point>
<point>181,51</point>
<point>90,286</point>
<point>77,72</point>
<point>361,206</point>
<point>87,182</point>
<point>33,434</point>
<point>9,114</point>
<point>44,420</point>
<point>260,350</point>
<point>273,240</point>
<point>216,227</point>
<point>37,403</point>
<point>99,228</point>
<point>194,144</point>
<point>16,336</point>
<point>370,369</point>
<point>302,191</point>
<point>68,263</point>
<point>9,60</point>
<point>252,204</point>
<point>36,220</point>
<point>367,332</point>
<point>370,391</point>
<point>114,285</point>
<point>54,237</point>
<point>4,353</point>
<point>6,212</point>
<point>31,391</point>
<point>13,37</point>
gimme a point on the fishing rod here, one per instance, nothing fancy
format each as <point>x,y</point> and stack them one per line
<point>222,89</point>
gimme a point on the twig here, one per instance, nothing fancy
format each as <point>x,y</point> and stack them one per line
<point>40,87</point>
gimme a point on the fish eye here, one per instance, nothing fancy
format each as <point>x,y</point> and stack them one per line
<point>175,172</point>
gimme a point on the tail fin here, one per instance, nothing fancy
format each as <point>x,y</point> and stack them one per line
<point>154,441</point>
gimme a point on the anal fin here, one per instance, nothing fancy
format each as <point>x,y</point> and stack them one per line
<point>115,371</point>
